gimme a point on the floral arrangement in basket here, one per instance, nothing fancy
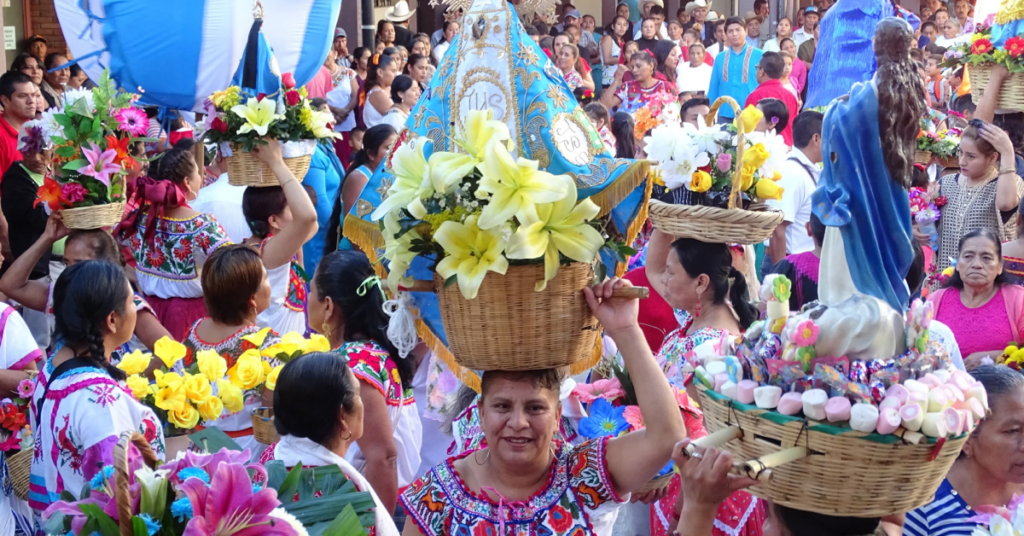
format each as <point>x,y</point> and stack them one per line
<point>480,210</point>
<point>926,209</point>
<point>240,119</point>
<point>92,136</point>
<point>942,144</point>
<point>177,498</point>
<point>14,428</point>
<point>661,109</point>
<point>981,50</point>
<point>703,159</point>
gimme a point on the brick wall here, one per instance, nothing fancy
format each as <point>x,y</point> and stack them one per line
<point>44,22</point>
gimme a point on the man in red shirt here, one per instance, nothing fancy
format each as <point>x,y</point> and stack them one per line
<point>769,74</point>
<point>17,95</point>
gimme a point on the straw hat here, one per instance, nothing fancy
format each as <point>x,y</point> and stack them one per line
<point>694,5</point>
<point>399,13</point>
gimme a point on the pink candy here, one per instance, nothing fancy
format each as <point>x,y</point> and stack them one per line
<point>898,391</point>
<point>790,404</point>
<point>837,409</point>
<point>888,421</point>
<point>745,391</point>
<point>912,416</point>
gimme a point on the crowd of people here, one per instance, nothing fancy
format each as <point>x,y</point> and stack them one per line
<point>211,264</point>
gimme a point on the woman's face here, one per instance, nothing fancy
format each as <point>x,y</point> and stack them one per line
<point>565,59</point>
<point>411,95</point>
<point>379,48</point>
<point>353,420</point>
<point>559,43</point>
<point>683,290</point>
<point>997,446</point>
<point>979,262</point>
<point>621,24</point>
<point>125,324</point>
<point>631,48</point>
<point>648,29</point>
<point>316,308</point>
<point>262,295</point>
<point>789,66</point>
<point>33,70</point>
<point>450,30</point>
<point>785,29</point>
<point>519,420</point>
<point>387,33</point>
<point>642,71</point>
<point>76,251</point>
<point>77,81</point>
<point>382,151</point>
<point>388,74</point>
<point>421,71</point>
<point>789,47</point>
<point>622,11</point>
<point>673,59</point>
<point>950,29</point>
<point>675,32</point>
<point>973,162</point>
<point>419,47</point>
<point>58,78</point>
<point>696,56</point>
<point>362,61</point>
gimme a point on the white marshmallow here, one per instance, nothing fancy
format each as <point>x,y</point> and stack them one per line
<point>891,402</point>
<point>978,393</point>
<point>934,425</point>
<point>814,404</point>
<point>767,397</point>
<point>729,390</point>
<point>915,386</point>
<point>899,392</point>
<point>920,399</point>
<point>912,416</point>
<point>954,421</point>
<point>937,400</point>
<point>715,368</point>
<point>863,417</point>
<point>943,375</point>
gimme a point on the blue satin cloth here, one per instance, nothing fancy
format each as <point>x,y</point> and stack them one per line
<point>324,177</point>
<point>845,55</point>
<point>857,195</point>
<point>1002,32</point>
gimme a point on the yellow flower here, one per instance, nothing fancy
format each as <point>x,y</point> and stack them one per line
<point>258,115</point>
<point>396,377</point>
<point>138,385</point>
<point>776,176</point>
<point>286,347</point>
<point>412,181</point>
<point>225,99</point>
<point>185,418</point>
<point>169,351</point>
<point>257,338</point>
<point>749,118</point>
<point>747,177</point>
<point>170,399</point>
<point>211,365</point>
<point>168,379</point>
<point>768,189</point>
<point>272,378</point>
<point>559,227</point>
<point>211,408</point>
<point>197,388</point>
<point>230,396</point>
<point>448,169</point>
<point>700,181</point>
<point>948,272</point>
<point>516,186</point>
<point>755,156</point>
<point>316,343</point>
<point>135,363</point>
<point>248,371</point>
<point>317,123</point>
<point>470,253</point>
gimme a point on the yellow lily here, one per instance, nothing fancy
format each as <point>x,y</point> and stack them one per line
<point>412,181</point>
<point>448,169</point>
<point>749,118</point>
<point>516,186</point>
<point>169,351</point>
<point>258,115</point>
<point>317,123</point>
<point>396,251</point>
<point>471,253</point>
<point>559,227</point>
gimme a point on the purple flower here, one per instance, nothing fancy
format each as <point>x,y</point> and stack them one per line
<point>73,192</point>
<point>26,388</point>
<point>100,163</point>
<point>724,162</point>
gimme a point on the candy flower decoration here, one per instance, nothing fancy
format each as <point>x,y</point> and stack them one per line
<point>471,212</point>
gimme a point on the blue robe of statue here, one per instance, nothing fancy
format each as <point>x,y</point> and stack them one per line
<point>857,195</point>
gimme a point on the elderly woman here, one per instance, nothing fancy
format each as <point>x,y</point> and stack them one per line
<point>989,471</point>
<point>54,82</point>
<point>19,194</point>
<point>984,312</point>
<point>984,194</point>
<point>530,484</point>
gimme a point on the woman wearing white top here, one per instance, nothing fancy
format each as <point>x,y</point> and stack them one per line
<point>695,75</point>
<point>404,93</point>
<point>783,30</point>
<point>342,100</point>
<point>611,48</point>
<point>951,35</point>
<point>451,28</point>
<point>380,73</point>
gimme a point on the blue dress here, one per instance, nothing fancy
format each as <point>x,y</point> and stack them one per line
<point>324,176</point>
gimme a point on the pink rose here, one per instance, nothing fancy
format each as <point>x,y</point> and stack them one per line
<point>634,418</point>
<point>724,162</point>
<point>73,192</point>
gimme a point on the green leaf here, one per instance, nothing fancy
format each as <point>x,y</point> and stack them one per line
<point>65,152</point>
<point>346,524</point>
<point>81,107</point>
<point>105,525</point>
<point>71,133</point>
<point>450,281</point>
<point>57,140</point>
<point>291,483</point>
<point>213,439</point>
<point>75,165</point>
<point>307,482</point>
<point>139,526</point>
<point>62,120</point>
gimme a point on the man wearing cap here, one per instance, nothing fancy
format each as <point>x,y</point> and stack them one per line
<point>735,71</point>
<point>36,45</point>
<point>806,32</point>
<point>341,48</point>
<point>399,16</point>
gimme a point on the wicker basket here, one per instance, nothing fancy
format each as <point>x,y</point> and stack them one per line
<point>244,169</point>
<point>846,474</point>
<point>94,217</point>
<point>19,466</point>
<point>509,326</point>
<point>1011,95</point>
<point>655,484</point>
<point>950,162</point>
<point>263,428</point>
<point>121,476</point>
<point>718,225</point>
<point>922,157</point>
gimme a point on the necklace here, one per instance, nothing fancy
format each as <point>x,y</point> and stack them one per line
<point>970,194</point>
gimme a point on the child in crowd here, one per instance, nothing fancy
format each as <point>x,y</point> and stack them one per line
<point>937,86</point>
<point>598,115</point>
<point>355,141</point>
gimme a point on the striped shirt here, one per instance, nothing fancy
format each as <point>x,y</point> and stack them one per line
<point>947,515</point>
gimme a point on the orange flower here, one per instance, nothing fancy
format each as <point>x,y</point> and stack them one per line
<point>49,193</point>
<point>119,145</point>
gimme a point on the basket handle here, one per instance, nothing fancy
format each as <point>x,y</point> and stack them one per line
<point>426,285</point>
<point>761,468</point>
<point>710,120</point>
<point>121,492</point>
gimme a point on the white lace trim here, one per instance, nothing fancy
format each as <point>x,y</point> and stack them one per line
<point>743,520</point>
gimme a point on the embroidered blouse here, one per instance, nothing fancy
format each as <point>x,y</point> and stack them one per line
<point>634,96</point>
<point>171,267</point>
<point>287,311</point>
<point>672,355</point>
<point>578,499</point>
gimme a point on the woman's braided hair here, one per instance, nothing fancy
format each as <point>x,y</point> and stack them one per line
<point>84,295</point>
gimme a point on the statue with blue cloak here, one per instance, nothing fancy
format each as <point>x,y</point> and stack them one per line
<point>494,65</point>
<point>868,142</point>
<point>844,55</point>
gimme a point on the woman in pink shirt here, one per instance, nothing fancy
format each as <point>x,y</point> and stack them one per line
<point>984,311</point>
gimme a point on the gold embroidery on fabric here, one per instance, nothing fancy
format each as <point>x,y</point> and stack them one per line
<point>385,185</point>
<point>557,97</point>
<point>538,150</point>
<point>363,208</point>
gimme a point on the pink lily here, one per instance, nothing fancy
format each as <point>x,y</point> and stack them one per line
<point>210,462</point>
<point>101,163</point>
<point>228,507</point>
<point>606,389</point>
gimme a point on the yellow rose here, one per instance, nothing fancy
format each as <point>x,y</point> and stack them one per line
<point>316,343</point>
<point>257,338</point>
<point>169,399</point>
<point>755,156</point>
<point>747,178</point>
<point>749,118</point>
<point>248,372</point>
<point>230,396</point>
<point>168,379</point>
<point>138,385</point>
<point>767,189</point>
<point>211,365</point>
<point>134,363</point>
<point>185,418</point>
<point>169,351</point>
<point>272,378</point>
<point>211,408</point>
<point>776,176</point>
<point>700,181</point>
<point>197,388</point>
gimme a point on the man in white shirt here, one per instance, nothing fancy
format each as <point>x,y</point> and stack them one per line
<point>806,33</point>
<point>799,180</point>
<point>719,44</point>
<point>224,201</point>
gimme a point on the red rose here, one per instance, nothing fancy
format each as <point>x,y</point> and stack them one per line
<point>941,201</point>
<point>288,80</point>
<point>219,125</point>
<point>260,97</point>
<point>981,46</point>
<point>1015,46</point>
<point>292,97</point>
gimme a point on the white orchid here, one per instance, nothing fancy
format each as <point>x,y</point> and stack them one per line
<point>708,139</point>
<point>777,149</point>
<point>662,144</point>
<point>685,160</point>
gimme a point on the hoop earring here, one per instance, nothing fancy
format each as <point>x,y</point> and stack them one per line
<point>349,436</point>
